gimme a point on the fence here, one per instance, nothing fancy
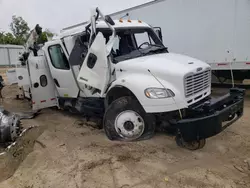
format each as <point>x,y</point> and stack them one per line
<point>9,54</point>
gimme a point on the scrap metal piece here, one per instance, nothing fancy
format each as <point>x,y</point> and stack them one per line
<point>17,143</point>
<point>10,126</point>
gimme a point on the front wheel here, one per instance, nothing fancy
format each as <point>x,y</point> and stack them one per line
<point>191,145</point>
<point>126,120</point>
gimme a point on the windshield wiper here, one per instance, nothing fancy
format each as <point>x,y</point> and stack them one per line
<point>156,45</point>
<point>156,50</point>
<point>131,55</point>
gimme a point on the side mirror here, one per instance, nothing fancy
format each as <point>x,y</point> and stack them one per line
<point>109,20</point>
<point>38,29</point>
<point>158,32</point>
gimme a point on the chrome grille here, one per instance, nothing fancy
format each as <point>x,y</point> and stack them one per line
<point>197,82</point>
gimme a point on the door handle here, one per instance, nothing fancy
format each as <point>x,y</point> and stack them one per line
<point>56,82</point>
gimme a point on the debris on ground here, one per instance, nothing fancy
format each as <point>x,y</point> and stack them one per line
<point>15,144</point>
<point>88,159</point>
<point>15,153</point>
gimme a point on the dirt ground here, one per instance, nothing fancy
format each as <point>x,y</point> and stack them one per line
<point>73,155</point>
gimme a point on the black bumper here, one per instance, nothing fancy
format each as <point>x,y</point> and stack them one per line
<point>211,116</point>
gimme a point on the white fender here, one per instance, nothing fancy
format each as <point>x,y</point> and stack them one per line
<point>137,85</point>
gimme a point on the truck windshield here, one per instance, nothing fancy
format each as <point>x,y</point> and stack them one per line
<point>134,42</point>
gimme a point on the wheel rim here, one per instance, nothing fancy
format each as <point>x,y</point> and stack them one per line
<point>129,125</point>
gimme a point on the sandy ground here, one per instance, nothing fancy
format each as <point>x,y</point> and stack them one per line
<point>73,155</point>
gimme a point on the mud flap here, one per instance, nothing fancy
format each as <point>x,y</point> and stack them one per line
<point>15,153</point>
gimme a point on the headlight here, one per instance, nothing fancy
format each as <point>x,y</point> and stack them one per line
<point>158,93</point>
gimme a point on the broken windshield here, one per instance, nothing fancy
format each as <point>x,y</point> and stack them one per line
<point>134,42</point>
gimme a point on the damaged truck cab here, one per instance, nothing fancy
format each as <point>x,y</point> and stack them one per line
<point>121,72</point>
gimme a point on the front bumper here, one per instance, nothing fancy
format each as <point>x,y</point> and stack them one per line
<point>211,116</point>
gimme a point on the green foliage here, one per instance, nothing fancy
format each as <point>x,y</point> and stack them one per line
<point>2,38</point>
<point>8,38</point>
<point>20,31</point>
<point>19,27</point>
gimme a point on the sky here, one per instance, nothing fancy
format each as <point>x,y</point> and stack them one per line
<point>57,14</point>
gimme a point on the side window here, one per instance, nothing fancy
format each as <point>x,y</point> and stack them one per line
<point>91,61</point>
<point>43,81</point>
<point>58,57</point>
<point>143,38</point>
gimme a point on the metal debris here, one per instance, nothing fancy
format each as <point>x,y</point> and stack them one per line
<point>17,144</point>
<point>10,126</point>
<point>15,153</point>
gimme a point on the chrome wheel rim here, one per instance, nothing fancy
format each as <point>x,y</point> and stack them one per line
<point>129,125</point>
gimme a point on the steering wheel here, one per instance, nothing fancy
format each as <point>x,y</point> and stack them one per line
<point>144,44</point>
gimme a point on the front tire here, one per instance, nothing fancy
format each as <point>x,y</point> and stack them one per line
<point>126,120</point>
<point>191,145</point>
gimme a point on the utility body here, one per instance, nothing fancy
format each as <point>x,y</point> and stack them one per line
<point>120,71</point>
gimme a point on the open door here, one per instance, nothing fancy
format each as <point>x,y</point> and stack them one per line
<point>60,69</point>
<point>95,68</point>
<point>43,90</point>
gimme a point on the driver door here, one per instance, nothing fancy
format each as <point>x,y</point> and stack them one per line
<point>95,68</point>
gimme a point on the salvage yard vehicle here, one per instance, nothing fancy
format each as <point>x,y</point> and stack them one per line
<point>120,71</point>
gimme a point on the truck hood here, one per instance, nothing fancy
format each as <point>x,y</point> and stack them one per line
<point>167,63</point>
<point>169,67</point>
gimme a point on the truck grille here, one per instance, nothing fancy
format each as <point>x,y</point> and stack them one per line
<point>197,82</point>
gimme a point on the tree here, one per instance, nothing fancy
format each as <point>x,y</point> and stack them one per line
<point>19,28</point>
<point>2,38</point>
<point>20,31</point>
<point>8,38</point>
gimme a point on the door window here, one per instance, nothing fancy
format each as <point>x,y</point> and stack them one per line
<point>43,81</point>
<point>58,57</point>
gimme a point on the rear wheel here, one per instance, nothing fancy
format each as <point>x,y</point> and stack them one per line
<point>126,120</point>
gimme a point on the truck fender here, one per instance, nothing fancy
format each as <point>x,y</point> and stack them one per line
<point>137,84</point>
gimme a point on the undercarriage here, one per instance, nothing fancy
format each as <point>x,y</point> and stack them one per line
<point>205,119</point>
<point>208,118</point>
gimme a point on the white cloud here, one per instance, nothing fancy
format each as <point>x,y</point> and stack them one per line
<point>56,14</point>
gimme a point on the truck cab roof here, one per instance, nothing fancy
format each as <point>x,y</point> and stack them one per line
<point>101,24</point>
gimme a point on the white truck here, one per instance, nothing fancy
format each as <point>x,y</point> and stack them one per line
<point>216,32</point>
<point>120,71</point>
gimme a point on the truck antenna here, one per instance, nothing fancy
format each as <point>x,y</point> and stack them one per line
<point>166,89</point>
<point>126,15</point>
